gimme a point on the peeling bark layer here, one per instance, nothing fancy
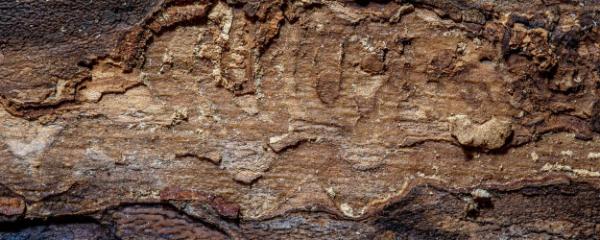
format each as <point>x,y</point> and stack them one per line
<point>560,210</point>
<point>180,119</point>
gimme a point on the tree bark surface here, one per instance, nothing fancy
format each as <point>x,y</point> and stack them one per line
<point>308,119</point>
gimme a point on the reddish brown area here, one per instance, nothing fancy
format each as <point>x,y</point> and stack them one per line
<point>10,206</point>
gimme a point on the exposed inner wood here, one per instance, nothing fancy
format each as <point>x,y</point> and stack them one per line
<point>235,119</point>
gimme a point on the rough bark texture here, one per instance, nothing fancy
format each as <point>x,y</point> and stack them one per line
<point>308,119</point>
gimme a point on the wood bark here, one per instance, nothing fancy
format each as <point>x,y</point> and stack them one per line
<point>299,119</point>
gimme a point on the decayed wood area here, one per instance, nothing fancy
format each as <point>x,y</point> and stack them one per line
<point>306,119</point>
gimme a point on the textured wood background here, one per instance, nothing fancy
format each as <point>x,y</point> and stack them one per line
<point>181,119</point>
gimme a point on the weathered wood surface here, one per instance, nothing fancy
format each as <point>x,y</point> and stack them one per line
<point>181,119</point>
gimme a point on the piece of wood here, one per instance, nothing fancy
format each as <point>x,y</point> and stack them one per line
<point>312,119</point>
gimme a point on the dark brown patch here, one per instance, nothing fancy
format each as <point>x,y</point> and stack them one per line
<point>328,86</point>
